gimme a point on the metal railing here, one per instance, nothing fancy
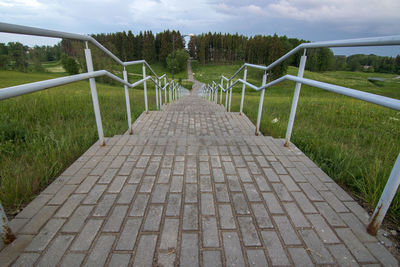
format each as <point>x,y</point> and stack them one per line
<point>174,90</point>
<point>211,92</point>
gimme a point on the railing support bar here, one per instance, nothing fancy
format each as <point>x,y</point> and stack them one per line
<point>128,105</point>
<point>226,95</point>
<point>145,89</point>
<point>295,99</point>
<point>95,99</point>
<point>230,97</point>
<point>260,105</point>
<point>156,88</point>
<point>160,94</point>
<point>165,90</point>
<point>243,90</point>
<point>6,235</point>
<point>386,199</point>
<point>222,86</point>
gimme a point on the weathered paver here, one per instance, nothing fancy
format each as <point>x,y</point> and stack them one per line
<point>193,186</point>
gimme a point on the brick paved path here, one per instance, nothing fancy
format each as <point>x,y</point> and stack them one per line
<point>194,186</point>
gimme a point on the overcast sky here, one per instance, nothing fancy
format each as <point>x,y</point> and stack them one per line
<point>314,20</point>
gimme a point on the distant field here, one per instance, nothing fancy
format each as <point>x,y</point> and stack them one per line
<point>355,142</point>
<point>43,133</point>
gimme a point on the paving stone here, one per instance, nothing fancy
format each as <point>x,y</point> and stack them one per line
<point>136,176</point>
<point>240,204</point>
<point>100,252</point>
<point>323,230</point>
<point>159,194</point>
<point>300,257</point>
<point>119,260</point>
<point>282,192</point>
<point>232,248</point>
<point>303,202</point>
<point>145,250</point>
<point>153,218</point>
<point>174,205</point>
<point>56,251</point>
<point>357,227</point>
<point>105,205</point>
<point>256,257</point>
<point>189,250</point>
<point>310,192</point>
<point>78,218</point>
<point>272,203</point>
<point>86,236</point>
<point>164,176</point>
<point>210,232</point>
<point>190,217</point>
<point>41,240</point>
<point>73,259</point>
<point>94,194</point>
<point>69,206</point>
<point>126,168</point>
<point>204,168</point>
<point>357,248</point>
<point>62,195</point>
<point>262,183</point>
<point>296,215</point>
<point>274,247</point>
<point>33,208</point>
<point>286,231</point>
<point>169,236</point>
<point>147,184</point>
<point>26,259</point>
<point>226,217</point>
<point>129,233</point>
<point>320,253</point>
<point>212,258</point>
<point>116,218</point>
<point>329,214</point>
<point>127,194</point>
<point>191,193</point>
<point>43,215</point>
<point>176,184</point>
<point>207,204</point>
<point>233,182</point>
<point>289,183</point>
<point>381,253</point>
<point>249,232</point>
<point>342,255</point>
<point>205,183</point>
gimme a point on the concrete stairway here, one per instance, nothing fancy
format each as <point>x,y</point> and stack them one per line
<point>194,186</point>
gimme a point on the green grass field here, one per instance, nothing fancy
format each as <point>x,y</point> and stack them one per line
<point>355,142</point>
<point>42,133</point>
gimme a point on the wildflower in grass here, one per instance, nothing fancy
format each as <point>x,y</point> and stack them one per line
<point>275,120</point>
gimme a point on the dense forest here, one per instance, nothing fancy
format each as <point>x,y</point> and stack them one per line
<point>207,48</point>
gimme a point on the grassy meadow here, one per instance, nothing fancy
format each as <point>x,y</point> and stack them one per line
<point>354,142</point>
<point>42,133</point>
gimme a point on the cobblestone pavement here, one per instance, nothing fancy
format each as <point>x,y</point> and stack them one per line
<point>194,186</point>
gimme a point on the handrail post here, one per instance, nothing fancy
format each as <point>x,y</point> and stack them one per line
<point>230,97</point>
<point>145,89</point>
<point>226,95</point>
<point>128,105</point>
<point>222,86</point>
<point>170,92</point>
<point>95,98</point>
<point>209,94</point>
<point>216,94</point>
<point>260,105</point>
<point>156,87</point>
<point>165,90</point>
<point>295,99</point>
<point>160,94</point>
<point>6,235</point>
<point>386,199</point>
<point>212,93</point>
<point>243,90</point>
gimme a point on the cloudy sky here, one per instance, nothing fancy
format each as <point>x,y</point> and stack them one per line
<point>314,20</point>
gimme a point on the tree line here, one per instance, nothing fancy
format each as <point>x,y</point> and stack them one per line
<point>206,47</point>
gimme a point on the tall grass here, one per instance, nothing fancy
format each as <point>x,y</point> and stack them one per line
<point>354,142</point>
<point>41,134</point>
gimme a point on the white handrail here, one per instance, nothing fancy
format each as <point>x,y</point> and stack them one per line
<point>394,179</point>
